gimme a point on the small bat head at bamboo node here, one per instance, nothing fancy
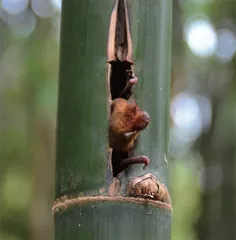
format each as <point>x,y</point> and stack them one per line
<point>126,121</point>
<point>148,186</point>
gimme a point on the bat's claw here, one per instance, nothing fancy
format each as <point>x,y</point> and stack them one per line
<point>146,161</point>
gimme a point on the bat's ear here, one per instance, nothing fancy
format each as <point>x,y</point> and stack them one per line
<point>113,104</point>
<point>131,101</point>
<point>118,102</point>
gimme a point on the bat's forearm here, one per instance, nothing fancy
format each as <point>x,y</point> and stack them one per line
<point>125,163</point>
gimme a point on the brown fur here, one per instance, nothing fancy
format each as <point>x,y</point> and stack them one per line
<point>125,118</point>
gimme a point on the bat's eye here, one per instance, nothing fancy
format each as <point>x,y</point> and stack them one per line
<point>112,107</point>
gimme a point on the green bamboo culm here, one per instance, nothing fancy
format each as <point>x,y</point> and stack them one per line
<point>82,108</point>
<point>82,124</point>
<point>151,25</point>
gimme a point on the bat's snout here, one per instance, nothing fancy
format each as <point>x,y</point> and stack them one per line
<point>142,121</point>
<point>146,118</point>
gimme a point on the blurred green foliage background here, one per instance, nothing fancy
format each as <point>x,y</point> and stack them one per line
<point>202,131</point>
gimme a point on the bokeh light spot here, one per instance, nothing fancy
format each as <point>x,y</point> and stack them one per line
<point>15,6</point>
<point>200,36</point>
<point>14,19</point>
<point>186,115</point>
<point>226,46</point>
<point>26,27</point>
<point>43,8</point>
<point>57,4</point>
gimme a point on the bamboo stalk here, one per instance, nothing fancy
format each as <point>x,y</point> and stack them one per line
<point>83,209</point>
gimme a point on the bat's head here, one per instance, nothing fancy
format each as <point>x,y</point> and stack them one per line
<point>127,117</point>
